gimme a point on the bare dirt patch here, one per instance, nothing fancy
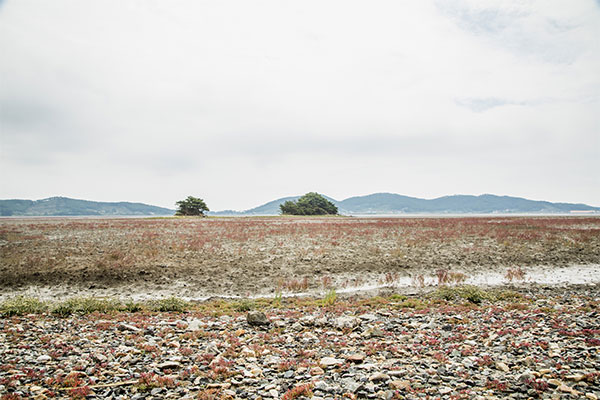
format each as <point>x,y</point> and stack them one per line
<point>196,257</point>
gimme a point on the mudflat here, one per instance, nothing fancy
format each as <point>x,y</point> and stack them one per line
<point>198,257</point>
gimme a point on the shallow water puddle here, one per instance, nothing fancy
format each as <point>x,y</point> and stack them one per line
<point>544,275</point>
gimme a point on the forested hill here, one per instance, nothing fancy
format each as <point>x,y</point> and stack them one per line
<point>64,206</point>
<point>390,203</point>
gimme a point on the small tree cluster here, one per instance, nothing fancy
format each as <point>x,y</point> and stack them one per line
<point>191,206</point>
<point>310,204</point>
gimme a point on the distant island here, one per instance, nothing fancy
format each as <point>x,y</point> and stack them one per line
<point>373,204</point>
<point>390,203</point>
<point>64,206</point>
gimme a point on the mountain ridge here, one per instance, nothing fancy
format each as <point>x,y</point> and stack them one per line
<point>65,206</point>
<point>375,203</point>
<point>392,203</point>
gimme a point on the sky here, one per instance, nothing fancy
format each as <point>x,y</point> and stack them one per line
<point>240,102</point>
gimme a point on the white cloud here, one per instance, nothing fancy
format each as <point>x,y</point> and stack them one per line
<point>152,101</point>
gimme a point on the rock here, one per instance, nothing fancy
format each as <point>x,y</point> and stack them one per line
<point>545,371</point>
<point>194,325</point>
<point>373,333</point>
<point>356,357</point>
<point>378,377</point>
<point>288,374</point>
<point>316,371</point>
<point>43,358</point>
<point>445,390</point>
<point>591,396</point>
<point>330,362</point>
<point>567,389</point>
<point>502,366</point>
<point>246,352</point>
<point>346,322</point>
<point>130,328</point>
<point>350,385</point>
<point>400,385</point>
<point>575,377</point>
<point>169,365</point>
<point>212,348</point>
<point>554,382</point>
<point>257,318</point>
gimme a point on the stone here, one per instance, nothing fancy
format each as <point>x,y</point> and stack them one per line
<point>43,358</point>
<point>502,366</point>
<point>350,385</point>
<point>169,365</point>
<point>194,325</point>
<point>568,389</point>
<point>346,322</point>
<point>316,371</point>
<point>378,377</point>
<point>373,333</point>
<point>257,318</point>
<point>575,377</point>
<point>400,385</point>
<point>130,328</point>
<point>445,390</point>
<point>356,357</point>
<point>330,362</point>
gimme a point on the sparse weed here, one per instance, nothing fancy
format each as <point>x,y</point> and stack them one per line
<point>294,285</point>
<point>299,391</point>
<point>418,281</point>
<point>277,299</point>
<point>515,274</point>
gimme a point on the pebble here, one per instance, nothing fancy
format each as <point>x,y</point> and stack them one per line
<point>490,351</point>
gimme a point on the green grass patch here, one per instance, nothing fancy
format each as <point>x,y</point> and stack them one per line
<point>22,305</point>
<point>472,294</point>
<point>169,304</point>
<point>85,305</point>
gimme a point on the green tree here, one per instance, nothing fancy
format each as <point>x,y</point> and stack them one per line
<point>310,204</point>
<point>191,206</point>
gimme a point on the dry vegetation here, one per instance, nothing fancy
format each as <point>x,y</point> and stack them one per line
<point>254,255</point>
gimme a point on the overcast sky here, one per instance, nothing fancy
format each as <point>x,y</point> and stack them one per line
<point>241,102</point>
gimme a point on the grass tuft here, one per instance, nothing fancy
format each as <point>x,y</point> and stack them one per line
<point>330,298</point>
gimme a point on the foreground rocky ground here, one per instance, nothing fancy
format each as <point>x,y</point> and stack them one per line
<point>529,343</point>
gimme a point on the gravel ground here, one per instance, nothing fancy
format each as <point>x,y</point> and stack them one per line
<point>538,342</point>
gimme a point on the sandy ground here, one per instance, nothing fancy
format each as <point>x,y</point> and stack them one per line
<point>202,257</point>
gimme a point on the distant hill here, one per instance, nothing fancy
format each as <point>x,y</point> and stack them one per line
<point>390,203</point>
<point>382,203</point>
<point>270,208</point>
<point>64,206</point>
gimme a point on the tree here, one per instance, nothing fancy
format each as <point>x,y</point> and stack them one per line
<point>310,204</point>
<point>191,206</point>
